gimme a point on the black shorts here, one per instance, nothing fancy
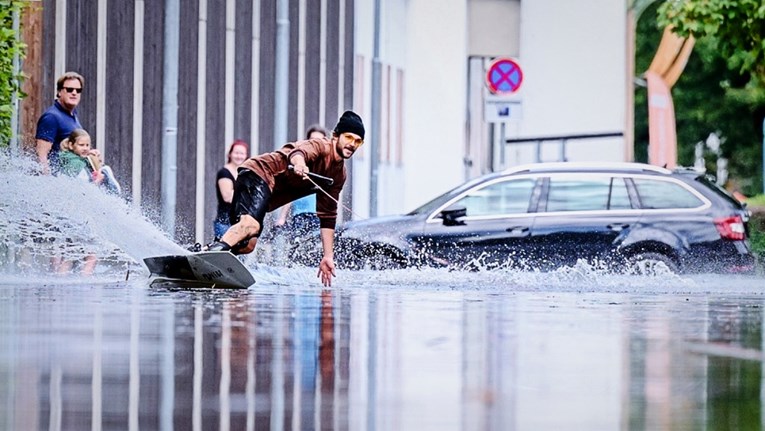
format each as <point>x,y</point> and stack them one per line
<point>251,196</point>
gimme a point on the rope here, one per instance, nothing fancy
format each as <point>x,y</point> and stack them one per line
<point>330,196</point>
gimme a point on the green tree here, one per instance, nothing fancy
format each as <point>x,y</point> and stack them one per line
<point>714,94</point>
<point>10,81</point>
<point>735,28</point>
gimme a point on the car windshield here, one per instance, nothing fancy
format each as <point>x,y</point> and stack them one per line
<point>437,201</point>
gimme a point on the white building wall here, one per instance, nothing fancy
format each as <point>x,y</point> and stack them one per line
<point>364,46</point>
<point>393,58</point>
<point>436,79</point>
<point>573,54</point>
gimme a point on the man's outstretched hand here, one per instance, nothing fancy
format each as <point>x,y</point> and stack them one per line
<point>326,271</point>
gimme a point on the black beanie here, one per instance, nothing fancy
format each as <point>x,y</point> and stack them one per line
<point>350,122</point>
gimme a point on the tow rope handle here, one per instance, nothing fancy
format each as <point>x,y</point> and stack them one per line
<point>327,180</point>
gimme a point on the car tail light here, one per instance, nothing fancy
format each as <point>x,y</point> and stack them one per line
<point>731,227</point>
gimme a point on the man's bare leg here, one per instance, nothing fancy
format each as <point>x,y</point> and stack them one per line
<point>90,264</point>
<point>247,227</point>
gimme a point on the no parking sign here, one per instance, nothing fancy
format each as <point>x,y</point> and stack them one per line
<point>504,76</point>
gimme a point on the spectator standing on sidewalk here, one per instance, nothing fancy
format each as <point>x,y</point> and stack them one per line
<point>59,121</point>
<point>78,160</point>
<point>224,186</point>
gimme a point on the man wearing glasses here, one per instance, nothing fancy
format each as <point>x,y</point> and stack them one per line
<point>270,180</point>
<point>59,120</point>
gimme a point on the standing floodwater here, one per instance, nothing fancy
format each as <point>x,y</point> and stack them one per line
<point>389,350</point>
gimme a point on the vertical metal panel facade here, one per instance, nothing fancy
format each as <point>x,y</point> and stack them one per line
<point>151,157</point>
<point>267,72</point>
<point>292,132</point>
<point>48,75</point>
<point>119,89</point>
<point>187,120</point>
<point>312,61</point>
<point>332,68</point>
<point>215,88</point>
<point>348,55</point>
<point>81,54</point>
<point>243,62</point>
<point>82,23</point>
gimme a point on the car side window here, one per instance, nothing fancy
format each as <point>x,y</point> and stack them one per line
<point>656,194</point>
<point>501,198</point>
<point>587,194</point>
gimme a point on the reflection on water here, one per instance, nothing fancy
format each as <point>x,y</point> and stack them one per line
<point>128,356</point>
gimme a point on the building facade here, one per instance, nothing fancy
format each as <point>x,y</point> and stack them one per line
<point>433,109</point>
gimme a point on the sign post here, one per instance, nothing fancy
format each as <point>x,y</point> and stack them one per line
<point>503,106</point>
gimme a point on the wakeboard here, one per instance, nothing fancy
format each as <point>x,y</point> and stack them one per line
<point>219,269</point>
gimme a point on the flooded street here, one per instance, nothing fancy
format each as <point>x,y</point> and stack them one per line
<point>388,351</point>
<point>89,342</point>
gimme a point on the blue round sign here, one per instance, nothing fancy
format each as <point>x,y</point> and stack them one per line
<point>504,76</point>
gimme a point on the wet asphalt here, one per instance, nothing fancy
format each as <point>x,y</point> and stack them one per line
<point>398,350</point>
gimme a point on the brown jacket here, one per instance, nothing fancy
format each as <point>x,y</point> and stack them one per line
<point>286,186</point>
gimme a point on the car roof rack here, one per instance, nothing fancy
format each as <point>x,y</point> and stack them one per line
<point>586,166</point>
<point>690,170</point>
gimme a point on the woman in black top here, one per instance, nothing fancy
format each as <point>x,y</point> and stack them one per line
<point>224,186</point>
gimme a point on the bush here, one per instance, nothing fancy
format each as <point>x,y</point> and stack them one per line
<point>756,201</point>
<point>10,81</point>
<point>757,241</point>
<point>757,225</point>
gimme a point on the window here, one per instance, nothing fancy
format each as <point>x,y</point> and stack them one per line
<point>587,194</point>
<point>502,198</point>
<point>620,199</point>
<point>655,194</point>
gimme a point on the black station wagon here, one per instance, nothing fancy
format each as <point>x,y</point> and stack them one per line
<point>624,216</point>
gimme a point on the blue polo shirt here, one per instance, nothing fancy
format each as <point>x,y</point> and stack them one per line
<point>306,204</point>
<point>55,125</point>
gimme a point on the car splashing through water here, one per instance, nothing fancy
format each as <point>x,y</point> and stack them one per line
<point>629,216</point>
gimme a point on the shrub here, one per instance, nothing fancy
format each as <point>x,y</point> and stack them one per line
<point>757,226</point>
<point>10,81</point>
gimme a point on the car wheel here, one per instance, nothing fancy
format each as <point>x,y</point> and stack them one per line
<point>651,264</point>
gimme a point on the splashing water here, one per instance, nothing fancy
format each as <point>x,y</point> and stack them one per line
<point>52,228</point>
<point>62,226</point>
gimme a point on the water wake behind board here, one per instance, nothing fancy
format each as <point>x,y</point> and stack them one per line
<point>209,269</point>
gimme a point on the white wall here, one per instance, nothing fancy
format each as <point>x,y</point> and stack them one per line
<point>573,54</point>
<point>393,58</point>
<point>434,129</point>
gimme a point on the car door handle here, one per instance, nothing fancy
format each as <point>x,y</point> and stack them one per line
<point>617,227</point>
<point>518,231</point>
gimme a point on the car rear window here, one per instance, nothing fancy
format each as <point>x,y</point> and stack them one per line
<point>501,198</point>
<point>657,194</point>
<point>587,194</point>
<point>709,182</point>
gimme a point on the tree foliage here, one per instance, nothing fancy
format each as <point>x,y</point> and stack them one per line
<point>710,96</point>
<point>735,28</point>
<point>10,81</point>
